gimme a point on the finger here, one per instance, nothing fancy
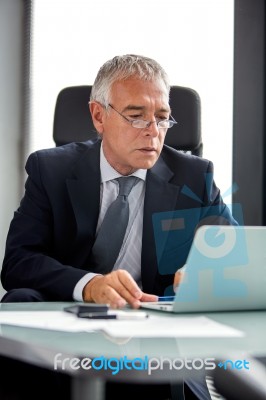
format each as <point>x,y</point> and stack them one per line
<point>179,276</point>
<point>116,288</point>
<point>100,290</point>
<point>107,294</point>
<point>144,297</point>
<point>128,289</point>
<point>129,284</point>
<point>113,298</point>
<point>148,297</point>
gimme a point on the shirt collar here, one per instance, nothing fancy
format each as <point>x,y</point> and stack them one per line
<point>108,173</point>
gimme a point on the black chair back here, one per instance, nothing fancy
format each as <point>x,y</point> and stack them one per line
<point>73,123</point>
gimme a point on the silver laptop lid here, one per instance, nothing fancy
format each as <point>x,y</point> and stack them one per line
<point>225,270</point>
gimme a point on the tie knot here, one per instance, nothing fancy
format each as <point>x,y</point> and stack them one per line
<point>126,184</point>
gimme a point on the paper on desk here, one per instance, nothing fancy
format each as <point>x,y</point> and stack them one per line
<point>155,326</point>
<point>52,320</point>
<point>191,326</point>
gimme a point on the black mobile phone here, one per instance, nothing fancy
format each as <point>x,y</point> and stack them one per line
<point>79,309</point>
<point>97,315</point>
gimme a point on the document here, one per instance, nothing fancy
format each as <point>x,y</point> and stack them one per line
<point>154,326</point>
<point>52,320</point>
<point>188,327</point>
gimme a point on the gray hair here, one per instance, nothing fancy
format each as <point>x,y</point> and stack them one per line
<point>121,68</point>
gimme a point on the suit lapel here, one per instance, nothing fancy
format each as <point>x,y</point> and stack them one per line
<point>84,192</point>
<point>160,196</point>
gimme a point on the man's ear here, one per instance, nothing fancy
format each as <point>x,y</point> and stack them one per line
<point>97,114</point>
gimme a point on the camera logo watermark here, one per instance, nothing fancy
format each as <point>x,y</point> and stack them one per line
<point>217,251</point>
<point>116,365</point>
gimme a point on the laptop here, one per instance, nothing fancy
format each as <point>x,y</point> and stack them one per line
<point>225,271</point>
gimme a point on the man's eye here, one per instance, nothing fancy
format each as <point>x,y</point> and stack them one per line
<point>135,116</point>
<point>161,117</point>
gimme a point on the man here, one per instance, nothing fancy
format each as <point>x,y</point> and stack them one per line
<point>49,245</point>
<point>51,242</point>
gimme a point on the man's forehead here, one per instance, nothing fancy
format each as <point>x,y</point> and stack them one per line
<point>143,108</point>
<point>140,95</point>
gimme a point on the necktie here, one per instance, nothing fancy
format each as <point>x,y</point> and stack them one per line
<point>112,231</point>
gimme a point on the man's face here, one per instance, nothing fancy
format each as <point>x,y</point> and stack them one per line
<point>125,147</point>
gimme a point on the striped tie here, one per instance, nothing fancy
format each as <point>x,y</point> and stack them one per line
<point>112,231</point>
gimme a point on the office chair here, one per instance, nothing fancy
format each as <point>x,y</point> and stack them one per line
<point>73,123</point>
<point>244,384</point>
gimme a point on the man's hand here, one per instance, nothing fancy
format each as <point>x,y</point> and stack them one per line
<point>117,289</point>
<point>179,276</point>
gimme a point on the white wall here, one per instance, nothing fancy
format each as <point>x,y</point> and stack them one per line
<point>10,112</point>
<point>192,39</point>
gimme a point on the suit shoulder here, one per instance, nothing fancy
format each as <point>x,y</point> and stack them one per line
<point>61,156</point>
<point>67,151</point>
<point>179,159</point>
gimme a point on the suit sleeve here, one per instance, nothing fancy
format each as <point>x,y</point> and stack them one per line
<point>30,260</point>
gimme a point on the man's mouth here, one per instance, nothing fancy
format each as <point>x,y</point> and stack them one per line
<point>148,149</point>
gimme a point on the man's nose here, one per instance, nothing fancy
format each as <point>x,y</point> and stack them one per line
<point>152,129</point>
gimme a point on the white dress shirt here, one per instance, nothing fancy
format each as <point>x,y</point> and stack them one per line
<point>129,257</point>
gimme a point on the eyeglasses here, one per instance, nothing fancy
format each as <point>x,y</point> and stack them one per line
<point>142,124</point>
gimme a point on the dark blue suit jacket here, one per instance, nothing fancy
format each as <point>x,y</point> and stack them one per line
<point>52,232</point>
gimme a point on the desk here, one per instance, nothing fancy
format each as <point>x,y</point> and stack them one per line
<point>39,347</point>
